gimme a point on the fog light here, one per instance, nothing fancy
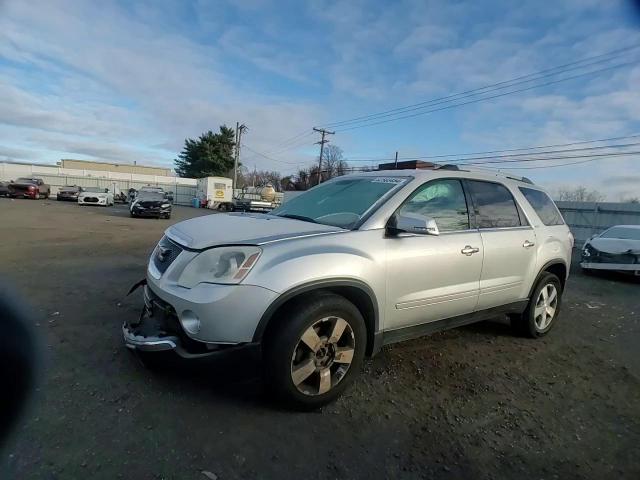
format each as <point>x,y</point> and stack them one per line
<point>190,321</point>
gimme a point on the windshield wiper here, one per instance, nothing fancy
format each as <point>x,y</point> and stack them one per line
<point>298,217</point>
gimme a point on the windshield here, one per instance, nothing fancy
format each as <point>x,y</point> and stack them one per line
<point>623,233</point>
<point>26,180</point>
<point>342,202</point>
<point>94,190</point>
<point>151,196</point>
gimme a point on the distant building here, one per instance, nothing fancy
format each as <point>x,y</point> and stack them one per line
<point>406,165</point>
<point>114,167</point>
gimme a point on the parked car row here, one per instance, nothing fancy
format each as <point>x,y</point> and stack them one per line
<point>25,187</point>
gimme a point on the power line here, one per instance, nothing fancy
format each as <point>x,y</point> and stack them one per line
<point>559,165</point>
<point>446,107</point>
<point>585,62</point>
<point>550,152</point>
<point>611,154</point>
<point>520,149</point>
<point>299,143</point>
<point>266,156</point>
<point>287,144</point>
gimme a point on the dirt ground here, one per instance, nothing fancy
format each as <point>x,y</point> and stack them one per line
<point>474,402</point>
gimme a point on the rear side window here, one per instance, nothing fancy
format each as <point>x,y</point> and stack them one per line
<point>543,205</point>
<point>494,205</point>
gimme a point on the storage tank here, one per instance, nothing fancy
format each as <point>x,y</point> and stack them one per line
<point>266,192</point>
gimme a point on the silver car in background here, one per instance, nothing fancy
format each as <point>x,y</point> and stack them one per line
<point>353,264</point>
<point>617,249</point>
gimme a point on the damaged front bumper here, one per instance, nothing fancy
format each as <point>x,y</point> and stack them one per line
<point>621,267</point>
<point>624,261</point>
<point>158,330</point>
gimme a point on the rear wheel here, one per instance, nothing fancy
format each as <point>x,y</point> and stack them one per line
<point>315,350</point>
<point>543,308</point>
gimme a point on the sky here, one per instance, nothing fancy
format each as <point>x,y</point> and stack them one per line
<point>129,81</point>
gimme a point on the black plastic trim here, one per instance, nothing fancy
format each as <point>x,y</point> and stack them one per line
<point>544,268</point>
<point>318,285</point>
<point>415,331</point>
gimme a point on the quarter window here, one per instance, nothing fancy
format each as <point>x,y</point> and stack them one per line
<point>543,205</point>
<point>442,200</point>
<point>495,206</point>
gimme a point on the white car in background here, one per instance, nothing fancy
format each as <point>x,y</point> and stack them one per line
<point>617,248</point>
<point>95,196</point>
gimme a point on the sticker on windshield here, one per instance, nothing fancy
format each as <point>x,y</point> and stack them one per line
<point>387,180</point>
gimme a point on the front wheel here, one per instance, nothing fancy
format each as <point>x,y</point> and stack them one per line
<point>315,350</point>
<point>543,308</point>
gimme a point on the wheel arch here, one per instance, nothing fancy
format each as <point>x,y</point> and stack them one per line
<point>558,268</point>
<point>357,292</point>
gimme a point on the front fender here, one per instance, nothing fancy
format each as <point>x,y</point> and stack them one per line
<point>355,259</point>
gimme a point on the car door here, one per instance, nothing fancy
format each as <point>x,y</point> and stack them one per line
<point>431,277</point>
<point>508,242</point>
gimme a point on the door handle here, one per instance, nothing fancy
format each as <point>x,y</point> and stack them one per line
<point>528,244</point>
<point>469,250</point>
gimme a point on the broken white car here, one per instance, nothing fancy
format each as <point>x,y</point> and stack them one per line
<point>617,248</point>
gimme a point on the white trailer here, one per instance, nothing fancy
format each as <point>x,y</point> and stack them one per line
<point>217,191</point>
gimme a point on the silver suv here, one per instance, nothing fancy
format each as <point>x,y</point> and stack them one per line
<point>353,264</point>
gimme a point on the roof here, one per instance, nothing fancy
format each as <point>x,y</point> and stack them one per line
<point>450,172</point>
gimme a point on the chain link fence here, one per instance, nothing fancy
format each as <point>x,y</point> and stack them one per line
<point>589,218</point>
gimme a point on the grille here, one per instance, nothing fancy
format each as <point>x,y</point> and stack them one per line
<point>91,199</point>
<point>603,257</point>
<point>165,253</point>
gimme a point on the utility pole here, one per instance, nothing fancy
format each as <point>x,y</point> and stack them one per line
<point>322,142</point>
<point>396,159</point>
<point>239,130</point>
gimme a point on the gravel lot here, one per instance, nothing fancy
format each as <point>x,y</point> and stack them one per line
<point>475,402</point>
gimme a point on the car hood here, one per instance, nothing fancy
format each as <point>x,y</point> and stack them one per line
<point>615,245</point>
<point>241,228</point>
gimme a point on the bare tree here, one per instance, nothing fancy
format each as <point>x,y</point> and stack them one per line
<point>333,164</point>
<point>579,194</point>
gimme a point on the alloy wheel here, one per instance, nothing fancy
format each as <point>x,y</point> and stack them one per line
<point>322,356</point>
<point>546,306</point>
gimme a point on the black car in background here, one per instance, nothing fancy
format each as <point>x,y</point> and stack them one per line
<point>69,194</point>
<point>151,204</point>
<point>4,189</point>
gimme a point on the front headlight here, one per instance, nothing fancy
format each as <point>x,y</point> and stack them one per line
<point>220,265</point>
<point>165,205</point>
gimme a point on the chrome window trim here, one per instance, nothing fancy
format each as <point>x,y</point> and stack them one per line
<point>491,229</point>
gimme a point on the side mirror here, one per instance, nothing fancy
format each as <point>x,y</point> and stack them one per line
<point>414,223</point>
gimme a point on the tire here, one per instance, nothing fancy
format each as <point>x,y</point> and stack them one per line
<point>543,309</point>
<point>587,271</point>
<point>285,351</point>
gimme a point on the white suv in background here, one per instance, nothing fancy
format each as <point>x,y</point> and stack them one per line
<point>353,264</point>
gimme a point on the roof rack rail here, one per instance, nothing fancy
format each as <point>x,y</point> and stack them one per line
<point>449,166</point>
<point>520,179</point>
